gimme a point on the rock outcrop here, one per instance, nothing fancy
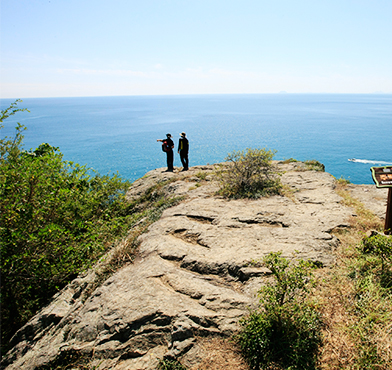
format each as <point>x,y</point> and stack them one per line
<point>194,275</point>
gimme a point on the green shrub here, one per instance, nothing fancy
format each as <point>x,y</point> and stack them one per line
<point>376,259</point>
<point>314,165</point>
<point>285,332</point>
<point>342,181</point>
<point>381,246</point>
<point>56,219</point>
<point>250,174</point>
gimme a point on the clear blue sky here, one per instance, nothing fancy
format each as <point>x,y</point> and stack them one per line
<point>52,48</point>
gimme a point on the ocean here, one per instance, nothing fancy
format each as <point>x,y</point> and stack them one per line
<point>118,134</point>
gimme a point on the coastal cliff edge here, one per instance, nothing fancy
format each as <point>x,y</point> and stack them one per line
<point>194,275</point>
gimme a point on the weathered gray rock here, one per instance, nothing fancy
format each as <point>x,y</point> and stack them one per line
<point>193,276</point>
<point>374,199</point>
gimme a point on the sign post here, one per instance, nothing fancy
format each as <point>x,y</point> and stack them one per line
<point>388,216</point>
<point>382,176</point>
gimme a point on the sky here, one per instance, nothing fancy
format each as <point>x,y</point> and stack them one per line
<point>66,48</point>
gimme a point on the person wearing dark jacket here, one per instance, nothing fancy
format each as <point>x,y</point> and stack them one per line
<point>183,149</point>
<point>167,146</point>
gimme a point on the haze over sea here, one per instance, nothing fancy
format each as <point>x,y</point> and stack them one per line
<point>113,134</point>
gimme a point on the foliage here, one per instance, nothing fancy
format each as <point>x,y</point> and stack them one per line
<point>356,296</point>
<point>11,146</point>
<point>286,331</point>
<point>201,175</point>
<point>372,304</point>
<point>371,310</point>
<point>314,165</point>
<point>249,175</point>
<point>342,181</point>
<point>289,160</point>
<point>380,246</point>
<point>170,365</point>
<point>56,219</point>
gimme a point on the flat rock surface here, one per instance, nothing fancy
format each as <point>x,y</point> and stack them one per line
<point>374,199</point>
<point>194,274</point>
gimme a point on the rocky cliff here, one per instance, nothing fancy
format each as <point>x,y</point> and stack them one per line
<point>194,276</point>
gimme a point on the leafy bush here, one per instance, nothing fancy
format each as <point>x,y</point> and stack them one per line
<point>56,219</point>
<point>249,175</point>
<point>376,260</point>
<point>380,246</point>
<point>285,332</point>
<point>314,165</point>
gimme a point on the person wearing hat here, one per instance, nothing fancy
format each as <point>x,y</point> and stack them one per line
<point>167,146</point>
<point>183,149</point>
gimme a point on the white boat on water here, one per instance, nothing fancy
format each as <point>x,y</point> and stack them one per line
<point>368,161</point>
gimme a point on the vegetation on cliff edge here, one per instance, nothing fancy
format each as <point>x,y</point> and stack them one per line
<point>356,294</point>
<point>250,174</point>
<point>57,218</point>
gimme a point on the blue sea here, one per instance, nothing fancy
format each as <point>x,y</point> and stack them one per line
<point>118,134</point>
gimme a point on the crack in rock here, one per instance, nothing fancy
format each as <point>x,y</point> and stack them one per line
<point>189,237</point>
<point>261,222</point>
<point>201,219</point>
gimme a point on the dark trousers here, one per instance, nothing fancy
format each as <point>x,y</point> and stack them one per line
<point>169,159</point>
<point>184,159</point>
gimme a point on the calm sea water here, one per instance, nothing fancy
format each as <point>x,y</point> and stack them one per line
<point>113,134</point>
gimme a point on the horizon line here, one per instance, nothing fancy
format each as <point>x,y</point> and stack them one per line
<point>196,94</point>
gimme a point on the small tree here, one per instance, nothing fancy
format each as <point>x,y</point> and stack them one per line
<point>250,174</point>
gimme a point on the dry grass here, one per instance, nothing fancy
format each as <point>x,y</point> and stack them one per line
<point>356,335</point>
<point>364,219</point>
<point>338,348</point>
<point>220,354</point>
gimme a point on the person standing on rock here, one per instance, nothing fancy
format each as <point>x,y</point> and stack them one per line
<point>183,149</point>
<point>167,147</point>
